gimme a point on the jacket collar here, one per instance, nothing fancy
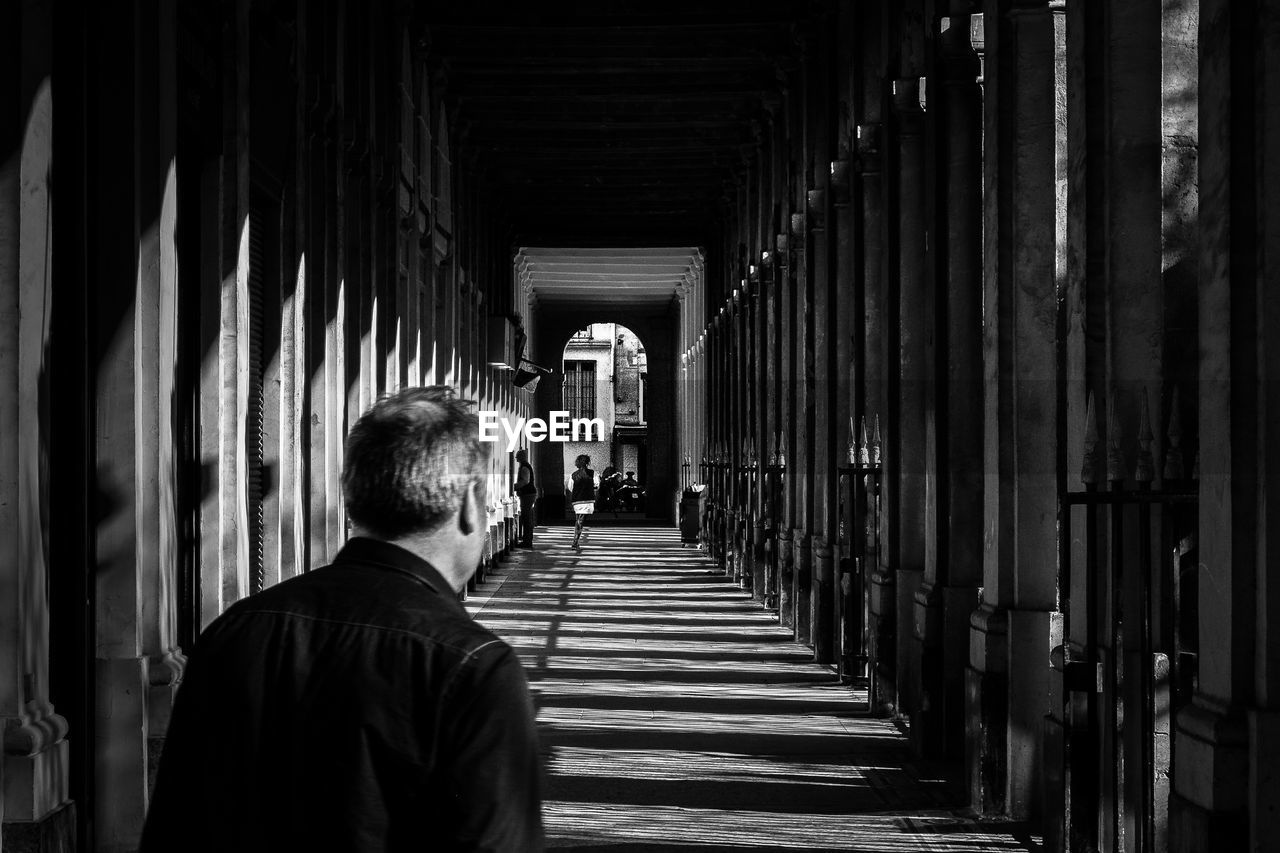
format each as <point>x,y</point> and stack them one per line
<point>375,552</point>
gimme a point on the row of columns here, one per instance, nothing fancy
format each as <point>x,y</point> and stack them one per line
<point>252,273</point>
<point>962,220</point>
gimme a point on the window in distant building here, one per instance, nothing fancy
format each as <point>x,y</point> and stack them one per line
<point>580,388</point>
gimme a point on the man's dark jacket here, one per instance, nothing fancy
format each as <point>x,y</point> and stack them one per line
<point>356,707</point>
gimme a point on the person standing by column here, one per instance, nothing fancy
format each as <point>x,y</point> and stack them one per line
<point>582,491</point>
<point>527,492</point>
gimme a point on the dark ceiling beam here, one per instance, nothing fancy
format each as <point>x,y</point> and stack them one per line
<point>610,138</point>
<point>656,91</point>
<point>611,113</point>
<point>496,124</point>
<point>579,14</point>
<point>710,157</point>
<point>630,101</point>
<point>722,40</point>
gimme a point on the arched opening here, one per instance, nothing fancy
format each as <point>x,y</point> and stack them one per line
<point>605,379</point>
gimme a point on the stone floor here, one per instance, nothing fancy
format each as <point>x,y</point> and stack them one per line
<point>677,715</point>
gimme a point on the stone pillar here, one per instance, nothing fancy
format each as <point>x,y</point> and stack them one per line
<point>906,440</point>
<point>881,585</point>
<point>1011,638</point>
<point>801,468</point>
<point>787,255</point>
<point>740,315</point>
<point>1225,787</point>
<point>138,663</point>
<point>34,801</point>
<point>847,602</point>
<point>948,593</point>
<point>772,274</point>
<point>822,313</point>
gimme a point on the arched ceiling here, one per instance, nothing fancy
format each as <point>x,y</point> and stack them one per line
<point>611,123</point>
<point>639,279</point>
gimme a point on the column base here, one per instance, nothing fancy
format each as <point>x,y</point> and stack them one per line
<point>743,551</point>
<point>908,653</point>
<point>120,771</point>
<point>1031,642</point>
<point>1208,809</point>
<point>164,673</point>
<point>759,561</point>
<point>803,585</point>
<point>927,719</point>
<point>785,555</point>
<point>882,643</point>
<point>53,833</point>
<point>958,604</point>
<point>36,762</point>
<point>1264,779</point>
<point>986,710</point>
<point>822,602</point>
<point>769,550</point>
<point>1008,698</point>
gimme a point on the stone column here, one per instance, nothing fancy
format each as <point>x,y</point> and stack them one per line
<point>907,446</point>
<point>716,368</point>
<point>870,272</point>
<point>137,662</point>
<point>800,466</point>
<point>740,315</point>
<point>847,310</point>
<point>948,593</point>
<point>1263,800</point>
<point>787,254</point>
<point>822,524</point>
<point>762,423</point>
<point>1011,638</point>
<point>772,275</point>
<point>1225,787</point>
<point>34,800</point>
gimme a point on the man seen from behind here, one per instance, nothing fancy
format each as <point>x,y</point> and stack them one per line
<point>358,706</point>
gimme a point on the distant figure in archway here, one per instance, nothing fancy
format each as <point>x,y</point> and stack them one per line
<point>610,482</point>
<point>582,491</point>
<point>630,492</point>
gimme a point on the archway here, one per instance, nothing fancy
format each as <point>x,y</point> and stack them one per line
<point>654,327</point>
<point>605,377</point>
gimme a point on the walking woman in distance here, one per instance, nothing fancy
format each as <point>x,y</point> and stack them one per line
<point>582,491</point>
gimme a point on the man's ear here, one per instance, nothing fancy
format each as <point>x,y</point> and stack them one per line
<point>470,513</point>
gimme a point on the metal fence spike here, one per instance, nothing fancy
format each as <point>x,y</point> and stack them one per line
<point>1089,464</point>
<point>1145,469</point>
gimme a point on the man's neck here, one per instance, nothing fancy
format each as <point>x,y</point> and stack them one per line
<point>432,547</point>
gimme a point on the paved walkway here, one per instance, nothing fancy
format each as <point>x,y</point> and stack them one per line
<point>677,715</point>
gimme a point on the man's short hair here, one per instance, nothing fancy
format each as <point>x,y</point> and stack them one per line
<point>409,459</point>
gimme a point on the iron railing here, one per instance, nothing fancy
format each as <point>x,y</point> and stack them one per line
<point>1129,654</point>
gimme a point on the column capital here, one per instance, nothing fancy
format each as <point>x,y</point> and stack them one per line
<point>816,205</point>
<point>909,97</point>
<point>868,148</point>
<point>841,181</point>
<point>958,51</point>
<point>797,225</point>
